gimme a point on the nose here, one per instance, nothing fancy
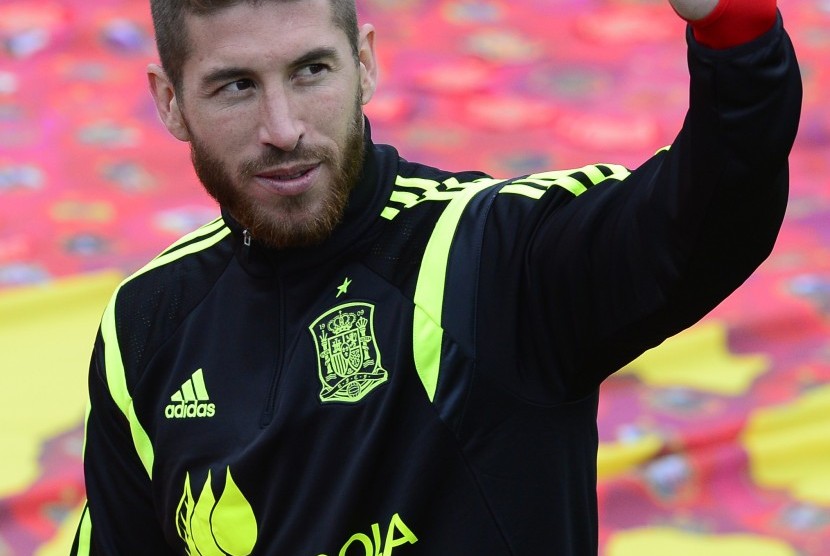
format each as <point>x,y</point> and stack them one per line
<point>280,124</point>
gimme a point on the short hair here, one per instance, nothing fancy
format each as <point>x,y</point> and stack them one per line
<point>173,43</point>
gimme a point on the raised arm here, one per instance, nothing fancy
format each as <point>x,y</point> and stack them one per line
<point>617,269</point>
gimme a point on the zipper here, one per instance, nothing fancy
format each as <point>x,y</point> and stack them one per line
<point>271,399</point>
<point>246,242</point>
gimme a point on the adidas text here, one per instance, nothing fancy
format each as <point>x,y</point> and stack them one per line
<point>187,410</point>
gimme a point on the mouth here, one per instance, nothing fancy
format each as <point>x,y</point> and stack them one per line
<point>288,173</point>
<point>292,180</point>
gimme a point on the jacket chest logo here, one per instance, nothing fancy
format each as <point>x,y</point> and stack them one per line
<point>209,527</point>
<point>348,360</point>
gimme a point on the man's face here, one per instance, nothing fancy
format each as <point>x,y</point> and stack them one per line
<point>271,102</point>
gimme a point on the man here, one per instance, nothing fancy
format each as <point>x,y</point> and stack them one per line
<point>366,355</point>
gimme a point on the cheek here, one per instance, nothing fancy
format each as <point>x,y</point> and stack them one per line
<point>334,111</point>
<point>226,133</point>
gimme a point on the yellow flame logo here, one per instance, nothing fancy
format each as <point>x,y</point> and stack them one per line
<point>211,527</point>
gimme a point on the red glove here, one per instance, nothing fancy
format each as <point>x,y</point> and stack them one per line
<point>735,22</point>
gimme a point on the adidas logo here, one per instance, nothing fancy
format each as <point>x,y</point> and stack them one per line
<point>191,400</point>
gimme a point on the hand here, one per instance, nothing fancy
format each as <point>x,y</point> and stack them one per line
<point>693,10</point>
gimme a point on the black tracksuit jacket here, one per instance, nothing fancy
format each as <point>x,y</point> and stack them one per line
<point>425,382</point>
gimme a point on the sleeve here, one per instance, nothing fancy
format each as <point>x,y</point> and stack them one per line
<point>612,272</point>
<point>119,517</point>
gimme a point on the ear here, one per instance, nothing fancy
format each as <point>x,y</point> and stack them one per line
<point>368,62</point>
<point>164,94</point>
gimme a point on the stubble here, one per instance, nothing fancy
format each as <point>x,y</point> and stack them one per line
<point>291,221</point>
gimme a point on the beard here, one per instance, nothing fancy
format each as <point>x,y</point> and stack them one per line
<point>288,222</point>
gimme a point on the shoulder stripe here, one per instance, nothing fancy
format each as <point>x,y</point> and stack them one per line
<point>203,231</point>
<point>416,183</point>
<point>409,192</point>
<point>116,376</point>
<point>528,190</point>
<point>192,243</point>
<point>389,213</point>
<point>429,290</point>
<point>576,181</point>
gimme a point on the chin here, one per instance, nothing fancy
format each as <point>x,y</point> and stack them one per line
<point>301,227</point>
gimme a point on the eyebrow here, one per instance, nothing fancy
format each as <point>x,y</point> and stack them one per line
<point>322,53</point>
<point>221,75</point>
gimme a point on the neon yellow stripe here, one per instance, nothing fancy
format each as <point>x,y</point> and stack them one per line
<point>389,213</point>
<point>86,421</point>
<point>187,390</point>
<point>488,181</point>
<point>594,174</point>
<point>428,192</point>
<point>116,377</point>
<point>571,184</point>
<point>420,183</point>
<point>199,386</point>
<point>426,345</point>
<point>538,181</point>
<point>592,171</point>
<point>84,534</point>
<point>200,231</point>
<point>117,384</point>
<point>548,177</point>
<point>427,334</point>
<point>620,173</point>
<point>166,257</point>
<point>526,190</point>
<point>565,182</point>
<point>404,197</point>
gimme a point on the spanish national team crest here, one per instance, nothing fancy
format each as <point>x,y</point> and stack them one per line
<point>348,359</point>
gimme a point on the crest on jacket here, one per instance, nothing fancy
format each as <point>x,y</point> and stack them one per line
<point>348,360</point>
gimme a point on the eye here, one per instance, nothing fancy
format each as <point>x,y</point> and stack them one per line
<point>238,86</point>
<point>311,70</point>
